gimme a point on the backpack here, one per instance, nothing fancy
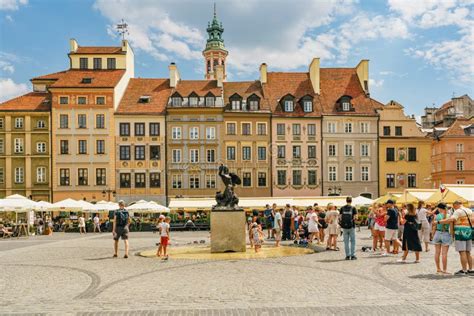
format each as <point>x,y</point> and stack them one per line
<point>122,218</point>
<point>347,219</point>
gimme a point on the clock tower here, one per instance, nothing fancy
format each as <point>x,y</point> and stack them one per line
<point>215,52</point>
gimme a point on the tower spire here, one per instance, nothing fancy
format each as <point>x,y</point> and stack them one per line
<point>214,53</point>
<point>215,11</point>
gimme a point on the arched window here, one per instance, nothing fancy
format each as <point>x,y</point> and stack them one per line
<point>235,102</point>
<point>288,103</point>
<point>254,102</point>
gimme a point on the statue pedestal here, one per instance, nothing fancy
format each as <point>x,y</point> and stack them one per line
<point>228,233</point>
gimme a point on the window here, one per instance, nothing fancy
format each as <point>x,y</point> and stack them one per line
<point>83,63</point>
<point>281,177</point>
<point>296,152</point>
<point>86,80</point>
<point>139,129</point>
<point>331,127</point>
<point>346,106</point>
<point>100,121</point>
<point>280,129</point>
<point>296,177</point>
<point>155,180</point>
<point>332,150</point>
<point>235,104</point>
<point>81,121</point>
<point>230,128</point>
<point>246,179</point>
<point>194,181</point>
<point>386,131</point>
<point>176,133</point>
<point>459,165</point>
<point>253,105</point>
<point>332,173</point>
<point>2,123</point>
<point>81,100</point>
<point>18,145</point>
<point>41,147</point>
<point>246,129</point>
<point>100,100</point>
<point>41,174</point>
<point>230,153</point>
<point>64,176</point>
<point>194,155</point>
<point>210,181</point>
<point>390,180</point>
<point>19,122</point>
<point>176,155</point>
<point>311,129</point>
<point>262,153</point>
<point>348,150</point>
<point>154,129</point>
<point>289,106</point>
<point>100,176</point>
<point>140,152</point>
<point>398,131</point>
<point>364,173</point>
<point>246,153</point>
<point>124,129</point>
<point>412,154</point>
<point>100,146</point>
<point>125,180</point>
<point>262,179</point>
<point>390,154</point>
<point>64,145</point>
<point>261,129</point>
<point>82,147</point>
<point>2,145</point>
<point>347,127</point>
<point>312,180</point>
<point>97,63</point>
<point>210,101</point>
<point>176,101</point>
<point>111,64</point>
<point>210,133</point>
<point>412,180</point>
<point>364,150</point>
<point>211,155</point>
<point>296,129</point>
<point>459,148</point>
<point>458,181</point>
<point>348,176</point>
<point>312,152</point>
<point>176,181</point>
<point>2,175</point>
<point>41,124</point>
<point>124,152</point>
<point>82,176</point>
<point>364,127</point>
<point>308,106</point>
<point>140,181</point>
<point>63,100</point>
<point>155,152</point>
<point>281,151</point>
<point>193,101</point>
<point>194,133</point>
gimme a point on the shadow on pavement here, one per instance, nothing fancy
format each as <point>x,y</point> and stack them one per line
<point>433,277</point>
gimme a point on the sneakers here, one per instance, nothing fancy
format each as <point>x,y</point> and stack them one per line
<point>353,258</point>
<point>461,272</point>
<point>470,272</point>
<point>348,258</point>
<point>401,261</point>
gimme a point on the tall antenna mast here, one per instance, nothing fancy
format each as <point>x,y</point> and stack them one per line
<point>122,29</point>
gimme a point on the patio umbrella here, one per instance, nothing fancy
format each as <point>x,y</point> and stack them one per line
<point>17,203</point>
<point>43,206</point>
<point>148,207</point>
<point>67,205</point>
<point>104,206</point>
<point>86,206</point>
<point>362,201</point>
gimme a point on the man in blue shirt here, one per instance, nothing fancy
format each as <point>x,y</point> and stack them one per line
<point>120,228</point>
<point>391,228</point>
<point>268,213</point>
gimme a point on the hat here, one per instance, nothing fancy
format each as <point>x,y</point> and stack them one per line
<point>390,202</point>
<point>442,206</point>
<point>457,202</point>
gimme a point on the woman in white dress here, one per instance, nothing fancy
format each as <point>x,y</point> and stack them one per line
<point>82,224</point>
<point>312,225</point>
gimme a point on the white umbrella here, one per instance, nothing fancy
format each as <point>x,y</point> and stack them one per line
<point>148,207</point>
<point>17,203</point>
<point>105,206</point>
<point>43,206</point>
<point>361,201</point>
<point>67,205</point>
<point>86,206</point>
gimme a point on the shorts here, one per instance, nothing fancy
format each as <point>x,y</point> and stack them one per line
<point>371,222</point>
<point>332,229</point>
<point>121,232</point>
<point>463,245</point>
<point>164,240</point>
<point>442,238</point>
<point>379,228</point>
<point>277,234</point>
<point>391,234</point>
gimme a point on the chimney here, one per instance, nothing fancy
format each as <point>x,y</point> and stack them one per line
<point>124,45</point>
<point>174,75</point>
<point>362,70</point>
<point>314,75</point>
<point>219,75</point>
<point>73,45</point>
<point>263,73</point>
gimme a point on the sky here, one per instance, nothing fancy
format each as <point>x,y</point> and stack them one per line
<point>421,52</point>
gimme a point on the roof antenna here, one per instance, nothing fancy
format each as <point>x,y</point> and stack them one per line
<point>122,29</point>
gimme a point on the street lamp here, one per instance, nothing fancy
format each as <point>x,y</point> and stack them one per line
<point>108,191</point>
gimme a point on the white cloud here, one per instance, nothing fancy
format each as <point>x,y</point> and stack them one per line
<point>12,5</point>
<point>6,62</point>
<point>376,83</point>
<point>10,89</point>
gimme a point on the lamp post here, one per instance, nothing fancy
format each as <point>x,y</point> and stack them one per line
<point>108,191</point>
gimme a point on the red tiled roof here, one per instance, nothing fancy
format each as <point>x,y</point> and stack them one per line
<point>98,50</point>
<point>73,78</point>
<point>337,82</point>
<point>456,129</point>
<point>245,89</point>
<point>32,101</point>
<point>200,87</point>
<point>158,89</point>
<point>298,84</point>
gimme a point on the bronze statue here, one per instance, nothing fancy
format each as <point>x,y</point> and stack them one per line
<point>228,197</point>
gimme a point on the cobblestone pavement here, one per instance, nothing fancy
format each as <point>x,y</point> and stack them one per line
<point>69,274</point>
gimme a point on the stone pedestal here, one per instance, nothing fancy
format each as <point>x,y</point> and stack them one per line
<point>228,233</point>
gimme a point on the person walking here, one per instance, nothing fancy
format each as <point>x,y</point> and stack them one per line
<point>268,214</point>
<point>82,224</point>
<point>165,236</point>
<point>120,228</point>
<point>313,224</point>
<point>441,240</point>
<point>322,225</point>
<point>411,239</point>
<point>391,229</point>
<point>277,227</point>
<point>424,232</point>
<point>348,216</point>
<point>463,226</point>
<point>96,223</point>
<point>332,221</point>
<point>379,227</point>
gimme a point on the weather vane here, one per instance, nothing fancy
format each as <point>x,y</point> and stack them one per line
<point>122,29</point>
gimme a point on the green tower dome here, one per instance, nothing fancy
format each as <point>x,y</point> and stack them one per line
<point>214,32</point>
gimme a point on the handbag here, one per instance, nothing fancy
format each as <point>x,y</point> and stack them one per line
<point>464,234</point>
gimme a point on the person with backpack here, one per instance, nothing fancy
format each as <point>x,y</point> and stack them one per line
<point>120,228</point>
<point>347,218</point>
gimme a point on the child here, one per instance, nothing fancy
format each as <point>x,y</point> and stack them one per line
<point>257,236</point>
<point>165,236</point>
<point>160,247</point>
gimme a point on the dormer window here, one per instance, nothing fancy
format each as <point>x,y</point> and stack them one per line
<point>289,106</point>
<point>86,80</point>
<point>176,100</point>
<point>345,104</point>
<point>254,102</point>
<point>288,103</point>
<point>235,102</point>
<point>210,100</point>
<point>306,103</point>
<point>144,99</point>
<point>193,101</point>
